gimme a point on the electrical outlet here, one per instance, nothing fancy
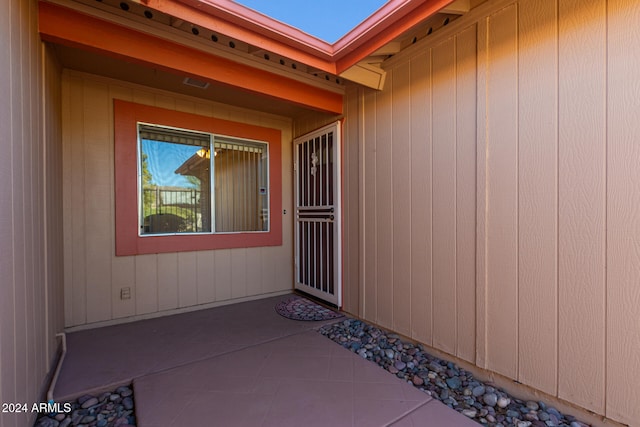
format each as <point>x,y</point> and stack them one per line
<point>125,293</point>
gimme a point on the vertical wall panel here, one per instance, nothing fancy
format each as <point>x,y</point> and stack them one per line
<point>168,284</point>
<point>205,277</point>
<point>444,196</point>
<point>581,191</point>
<point>538,130</point>
<point>502,188</point>
<point>466,193</point>
<point>30,218</point>
<point>21,114</point>
<point>285,251</point>
<point>351,202</point>
<point>482,195</point>
<point>67,235</point>
<point>370,228</point>
<point>623,212</point>
<point>53,218</point>
<point>187,279</point>
<point>401,201</point>
<point>383,208</point>
<point>97,210</point>
<point>123,275</point>
<point>77,221</point>
<point>7,310</point>
<point>223,274</point>
<point>268,268</point>
<point>421,165</point>
<point>75,280</point>
<point>238,273</point>
<point>146,289</point>
<point>33,221</point>
<point>254,271</point>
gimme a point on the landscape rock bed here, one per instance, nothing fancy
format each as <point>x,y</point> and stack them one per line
<point>444,380</point>
<point>109,409</point>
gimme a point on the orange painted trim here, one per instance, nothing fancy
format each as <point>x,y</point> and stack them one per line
<point>67,27</point>
<point>237,21</point>
<point>128,241</point>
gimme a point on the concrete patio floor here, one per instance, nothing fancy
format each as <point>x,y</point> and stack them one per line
<point>242,365</point>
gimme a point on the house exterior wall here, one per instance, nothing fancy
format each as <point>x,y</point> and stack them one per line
<point>30,211</point>
<point>159,282</point>
<point>500,206</point>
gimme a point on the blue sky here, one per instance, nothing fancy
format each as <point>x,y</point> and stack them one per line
<point>326,19</point>
<point>164,158</point>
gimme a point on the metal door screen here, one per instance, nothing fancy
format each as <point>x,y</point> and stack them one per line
<point>317,229</point>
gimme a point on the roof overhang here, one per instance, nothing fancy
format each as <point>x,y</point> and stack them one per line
<point>67,27</point>
<point>74,23</point>
<point>236,20</point>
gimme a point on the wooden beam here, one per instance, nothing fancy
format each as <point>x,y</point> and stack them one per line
<point>70,28</point>
<point>458,7</point>
<point>366,74</point>
<point>390,48</point>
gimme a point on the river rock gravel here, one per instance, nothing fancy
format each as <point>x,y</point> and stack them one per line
<point>444,380</point>
<point>109,409</point>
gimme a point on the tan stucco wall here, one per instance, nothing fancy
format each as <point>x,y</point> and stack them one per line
<point>499,188</point>
<point>30,211</point>
<point>160,283</point>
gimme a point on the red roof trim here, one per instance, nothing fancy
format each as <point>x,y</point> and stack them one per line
<point>391,20</point>
<point>377,31</point>
<point>263,24</point>
<point>248,28</point>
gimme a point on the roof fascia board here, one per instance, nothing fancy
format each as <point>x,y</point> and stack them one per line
<point>380,19</point>
<point>262,24</point>
<point>71,28</point>
<point>388,22</point>
<point>311,51</point>
<point>378,35</point>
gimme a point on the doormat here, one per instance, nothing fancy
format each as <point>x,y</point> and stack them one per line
<point>299,308</point>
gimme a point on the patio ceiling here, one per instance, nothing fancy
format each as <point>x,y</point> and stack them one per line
<point>155,48</point>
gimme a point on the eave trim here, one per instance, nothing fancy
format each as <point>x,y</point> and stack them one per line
<point>70,28</point>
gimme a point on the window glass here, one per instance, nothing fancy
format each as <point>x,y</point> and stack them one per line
<point>241,199</point>
<point>184,189</point>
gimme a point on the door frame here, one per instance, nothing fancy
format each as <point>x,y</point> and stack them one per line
<point>336,298</point>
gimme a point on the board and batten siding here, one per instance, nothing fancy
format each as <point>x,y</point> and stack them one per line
<point>158,282</point>
<point>499,196</point>
<point>31,282</point>
<point>417,163</point>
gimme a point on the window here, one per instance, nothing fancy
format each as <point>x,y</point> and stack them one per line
<point>184,189</point>
<point>185,182</point>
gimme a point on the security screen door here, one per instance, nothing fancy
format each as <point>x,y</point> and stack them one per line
<point>317,224</point>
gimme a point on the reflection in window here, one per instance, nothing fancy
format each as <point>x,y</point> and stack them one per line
<point>176,175</point>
